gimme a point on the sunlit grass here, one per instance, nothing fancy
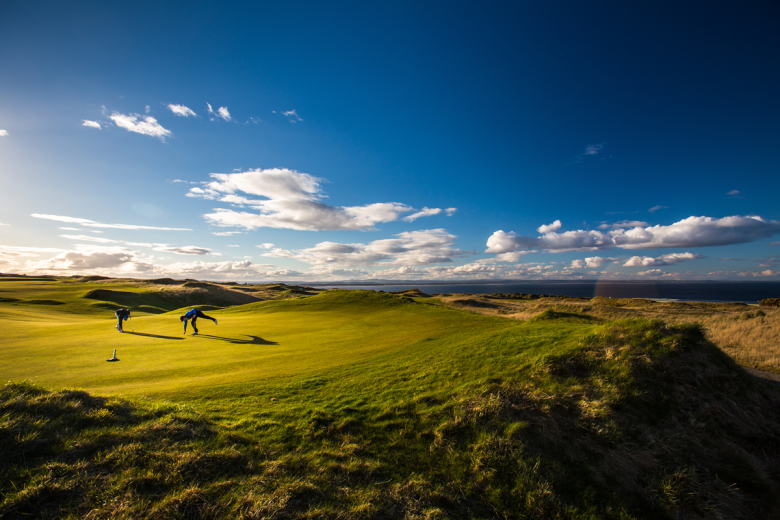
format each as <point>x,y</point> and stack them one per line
<point>355,404</point>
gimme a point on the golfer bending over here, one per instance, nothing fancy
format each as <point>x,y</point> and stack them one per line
<point>193,315</point>
<point>121,315</point>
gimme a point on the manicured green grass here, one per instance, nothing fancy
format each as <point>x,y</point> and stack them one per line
<point>355,404</point>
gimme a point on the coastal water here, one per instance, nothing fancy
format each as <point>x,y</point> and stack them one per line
<point>748,292</point>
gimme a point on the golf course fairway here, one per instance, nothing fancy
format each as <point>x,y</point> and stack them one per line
<point>361,404</point>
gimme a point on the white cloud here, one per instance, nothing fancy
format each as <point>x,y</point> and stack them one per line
<point>89,239</point>
<point>227,233</point>
<point>555,226</point>
<point>210,110</point>
<point>293,116</point>
<point>3,133</point>
<point>594,149</point>
<point>590,150</point>
<point>426,247</point>
<point>293,203</point>
<point>450,211</point>
<point>92,223</point>
<point>1,224</point>
<point>146,126</point>
<point>223,113</point>
<point>735,194</point>
<point>98,258</point>
<point>593,262</point>
<point>267,245</point>
<point>651,272</point>
<point>233,246</point>
<point>689,232</point>
<point>25,249</point>
<point>70,229</point>
<point>425,212</point>
<point>656,208</point>
<point>670,259</point>
<point>91,124</point>
<point>186,250</point>
<point>181,110</point>
<point>624,224</point>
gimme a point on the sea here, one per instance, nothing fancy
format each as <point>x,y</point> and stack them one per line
<point>747,292</point>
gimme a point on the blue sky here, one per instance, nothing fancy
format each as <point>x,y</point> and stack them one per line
<point>314,141</point>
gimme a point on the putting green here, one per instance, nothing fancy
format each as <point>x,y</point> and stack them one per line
<point>252,343</point>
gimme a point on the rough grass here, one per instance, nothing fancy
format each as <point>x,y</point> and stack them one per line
<point>359,404</point>
<point>749,334</point>
<point>631,420</point>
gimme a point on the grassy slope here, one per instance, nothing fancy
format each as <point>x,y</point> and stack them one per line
<point>381,407</point>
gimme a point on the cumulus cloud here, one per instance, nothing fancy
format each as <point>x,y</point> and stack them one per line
<point>670,259</point>
<point>594,262</point>
<point>222,270</point>
<point>689,232</point>
<point>656,208</point>
<point>146,125</point>
<point>426,247</point>
<point>450,211</point>
<point>186,250</point>
<point>91,124</point>
<point>91,223</point>
<point>221,112</point>
<point>651,273</point>
<point>734,194</point>
<point>549,228</point>
<point>267,245</point>
<point>181,110</point>
<point>121,261</point>
<point>3,133</point>
<point>293,201</point>
<point>96,258</point>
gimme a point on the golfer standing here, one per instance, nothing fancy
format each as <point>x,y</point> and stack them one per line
<point>193,315</point>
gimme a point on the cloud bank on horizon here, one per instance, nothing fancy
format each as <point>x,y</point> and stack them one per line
<point>689,232</point>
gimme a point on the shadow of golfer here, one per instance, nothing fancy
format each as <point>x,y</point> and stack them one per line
<point>254,340</point>
<point>151,335</point>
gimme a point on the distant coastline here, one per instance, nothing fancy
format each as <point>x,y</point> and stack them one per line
<point>750,292</point>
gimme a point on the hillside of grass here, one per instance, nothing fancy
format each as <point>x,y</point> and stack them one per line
<point>357,404</point>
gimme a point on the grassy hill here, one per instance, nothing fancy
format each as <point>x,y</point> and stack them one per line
<point>356,404</point>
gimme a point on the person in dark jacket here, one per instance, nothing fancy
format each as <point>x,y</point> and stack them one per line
<point>193,315</point>
<point>121,315</point>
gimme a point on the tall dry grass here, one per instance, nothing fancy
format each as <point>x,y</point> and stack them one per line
<point>751,340</point>
<point>749,334</point>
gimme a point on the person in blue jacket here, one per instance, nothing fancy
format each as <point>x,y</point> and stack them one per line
<point>193,315</point>
<point>121,315</point>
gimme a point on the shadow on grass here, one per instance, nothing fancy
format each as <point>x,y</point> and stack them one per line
<point>254,340</point>
<point>151,335</point>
